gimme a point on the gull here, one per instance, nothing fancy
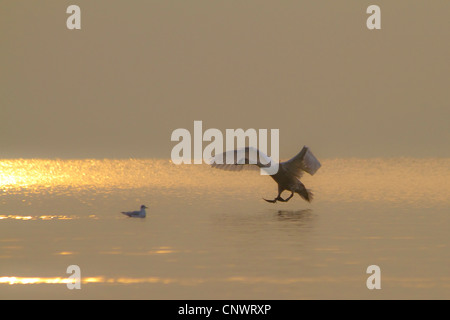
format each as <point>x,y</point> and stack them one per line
<point>136,214</point>
<point>288,174</point>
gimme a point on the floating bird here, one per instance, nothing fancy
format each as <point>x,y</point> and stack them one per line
<point>288,175</point>
<point>137,214</point>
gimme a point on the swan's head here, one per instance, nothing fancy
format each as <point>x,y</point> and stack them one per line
<point>144,207</point>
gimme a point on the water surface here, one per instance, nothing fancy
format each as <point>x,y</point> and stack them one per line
<point>209,235</point>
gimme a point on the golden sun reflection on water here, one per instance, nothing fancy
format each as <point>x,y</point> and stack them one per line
<point>416,181</point>
<point>97,279</point>
<point>406,282</point>
<point>41,173</point>
<point>33,193</point>
<point>43,217</point>
<point>34,280</point>
<point>155,251</point>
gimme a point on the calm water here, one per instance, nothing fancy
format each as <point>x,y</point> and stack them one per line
<point>209,235</point>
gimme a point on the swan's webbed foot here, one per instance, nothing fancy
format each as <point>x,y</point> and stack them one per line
<point>279,198</point>
<point>276,199</point>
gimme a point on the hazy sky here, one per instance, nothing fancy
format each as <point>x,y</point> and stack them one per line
<point>137,70</point>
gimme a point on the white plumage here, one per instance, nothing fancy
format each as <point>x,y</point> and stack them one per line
<point>136,214</point>
<point>288,174</point>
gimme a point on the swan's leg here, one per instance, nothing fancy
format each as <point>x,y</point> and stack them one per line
<point>281,199</point>
<point>278,198</point>
<point>288,198</point>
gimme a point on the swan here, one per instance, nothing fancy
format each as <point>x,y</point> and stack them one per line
<point>288,174</point>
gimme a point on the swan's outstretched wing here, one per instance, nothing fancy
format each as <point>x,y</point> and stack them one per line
<point>304,161</point>
<point>237,160</point>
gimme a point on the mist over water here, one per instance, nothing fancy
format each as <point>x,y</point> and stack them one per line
<point>208,234</point>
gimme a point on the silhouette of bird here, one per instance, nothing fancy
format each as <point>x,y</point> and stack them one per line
<point>136,214</point>
<point>288,174</point>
